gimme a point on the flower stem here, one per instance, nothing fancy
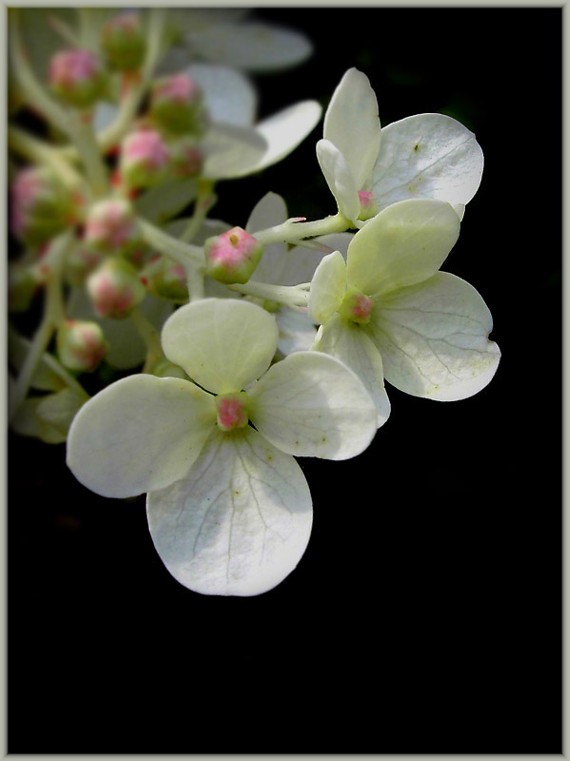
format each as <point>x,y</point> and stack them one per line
<point>293,230</point>
<point>204,202</point>
<point>178,251</point>
<point>295,296</point>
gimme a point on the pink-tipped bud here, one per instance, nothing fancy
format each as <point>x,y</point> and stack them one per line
<point>77,77</point>
<point>368,206</point>
<point>232,411</point>
<point>23,284</point>
<point>41,206</point>
<point>80,262</point>
<point>177,105</point>
<point>232,256</point>
<point>123,42</point>
<point>111,226</point>
<point>81,345</point>
<point>168,280</point>
<point>115,289</point>
<point>144,159</point>
<point>187,158</point>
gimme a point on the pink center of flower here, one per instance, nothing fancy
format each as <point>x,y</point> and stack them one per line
<point>146,146</point>
<point>366,198</point>
<point>232,411</point>
<point>71,66</point>
<point>357,308</point>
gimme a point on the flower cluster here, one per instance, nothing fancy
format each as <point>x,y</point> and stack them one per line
<point>218,353</point>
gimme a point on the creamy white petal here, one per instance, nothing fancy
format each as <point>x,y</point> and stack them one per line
<point>271,210</point>
<point>339,178</point>
<point>232,151</point>
<point>404,244</point>
<point>297,330</point>
<point>352,345</point>
<point>238,523</point>
<point>286,129</point>
<point>427,156</point>
<point>139,434</point>
<point>254,46</point>
<point>222,344</point>
<point>328,287</point>
<point>312,405</point>
<point>162,202</point>
<point>229,96</point>
<point>352,124</point>
<point>433,338</point>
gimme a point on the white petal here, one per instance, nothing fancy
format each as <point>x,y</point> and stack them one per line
<point>310,404</point>
<point>402,245</point>
<point>271,210</point>
<point>232,151</point>
<point>339,178</point>
<point>352,345</point>
<point>229,96</point>
<point>162,202</point>
<point>286,129</point>
<point>239,523</point>
<point>427,156</point>
<point>253,46</point>
<point>296,330</point>
<point>328,287</point>
<point>352,124</point>
<point>433,338</point>
<point>222,344</point>
<point>139,434</point>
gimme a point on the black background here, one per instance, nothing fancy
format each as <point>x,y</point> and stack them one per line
<point>425,616</point>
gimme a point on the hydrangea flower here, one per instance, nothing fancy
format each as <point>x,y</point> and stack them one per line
<point>367,167</point>
<point>229,508</point>
<point>388,312</point>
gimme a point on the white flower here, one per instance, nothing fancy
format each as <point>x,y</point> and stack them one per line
<point>367,167</point>
<point>228,507</point>
<point>388,312</point>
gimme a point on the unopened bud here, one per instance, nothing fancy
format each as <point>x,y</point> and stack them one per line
<point>23,283</point>
<point>232,256</point>
<point>111,226</point>
<point>77,77</point>
<point>115,288</point>
<point>81,345</point>
<point>187,159</point>
<point>123,42</point>
<point>80,262</point>
<point>169,281</point>
<point>144,159</point>
<point>41,206</point>
<point>177,105</point>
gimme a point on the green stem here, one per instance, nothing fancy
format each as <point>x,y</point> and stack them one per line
<point>293,231</point>
<point>53,316</point>
<point>204,202</point>
<point>38,152</point>
<point>295,296</point>
<point>178,251</point>
<point>84,138</point>
<point>150,336</point>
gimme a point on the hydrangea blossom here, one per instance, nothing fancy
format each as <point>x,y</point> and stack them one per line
<point>368,167</point>
<point>229,509</point>
<point>389,313</point>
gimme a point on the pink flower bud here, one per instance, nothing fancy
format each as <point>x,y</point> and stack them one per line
<point>81,345</point>
<point>115,289</point>
<point>167,280</point>
<point>123,42</point>
<point>187,158</point>
<point>144,159</point>
<point>78,77</point>
<point>41,206</point>
<point>80,262</point>
<point>111,226</point>
<point>232,256</point>
<point>176,104</point>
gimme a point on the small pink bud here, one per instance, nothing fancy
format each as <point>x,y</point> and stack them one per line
<point>81,261</point>
<point>78,77</point>
<point>232,411</point>
<point>187,158</point>
<point>168,280</point>
<point>111,226</point>
<point>144,158</point>
<point>115,289</point>
<point>41,206</point>
<point>232,256</point>
<point>123,42</point>
<point>176,104</point>
<point>368,205</point>
<point>81,345</point>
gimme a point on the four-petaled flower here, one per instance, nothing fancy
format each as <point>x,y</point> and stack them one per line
<point>367,167</point>
<point>387,311</point>
<point>229,508</point>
